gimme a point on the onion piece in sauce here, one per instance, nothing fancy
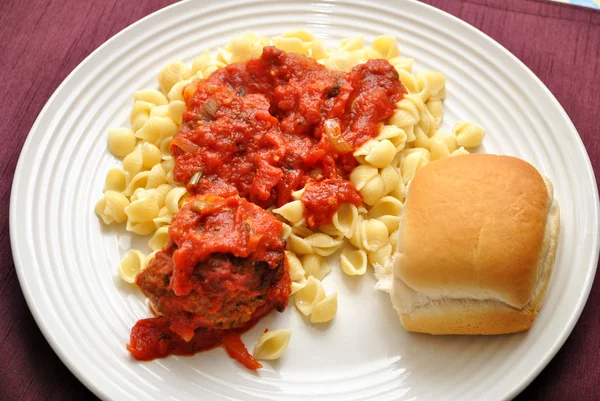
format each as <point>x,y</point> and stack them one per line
<point>184,144</point>
<point>334,136</point>
<point>195,178</point>
<point>209,110</point>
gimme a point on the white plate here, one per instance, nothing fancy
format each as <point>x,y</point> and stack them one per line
<point>66,260</point>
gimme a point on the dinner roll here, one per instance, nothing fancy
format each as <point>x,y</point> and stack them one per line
<point>476,248</point>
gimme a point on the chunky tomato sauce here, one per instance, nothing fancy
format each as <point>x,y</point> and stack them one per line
<point>265,128</point>
<point>259,131</point>
<point>223,269</point>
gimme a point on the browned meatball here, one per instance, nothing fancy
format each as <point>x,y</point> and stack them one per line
<point>226,290</point>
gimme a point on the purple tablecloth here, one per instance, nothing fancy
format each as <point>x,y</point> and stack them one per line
<point>42,41</point>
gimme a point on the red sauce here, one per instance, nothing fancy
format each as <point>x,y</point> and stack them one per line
<point>228,226</point>
<point>258,129</point>
<point>323,198</point>
<point>222,270</point>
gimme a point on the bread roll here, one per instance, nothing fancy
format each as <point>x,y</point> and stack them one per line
<point>477,246</point>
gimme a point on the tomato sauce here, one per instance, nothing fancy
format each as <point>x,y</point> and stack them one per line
<point>223,268</point>
<point>253,131</point>
<point>265,128</point>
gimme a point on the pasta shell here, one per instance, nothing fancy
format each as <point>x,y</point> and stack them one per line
<point>365,148</point>
<point>172,73</point>
<point>373,190</point>
<point>412,162</point>
<point>174,199</point>
<point>176,109</point>
<point>157,128</point>
<point>297,195</point>
<point>353,43</point>
<point>140,113</point>
<point>382,154</point>
<point>460,151</point>
<point>421,139</point>
<point>361,175</point>
<point>223,55</point>
<point>296,270</point>
<point>142,210</point>
<point>116,203</point>
<point>388,205</point>
<point>176,92</point>
<point>302,231</point>
<point>391,222</point>
<point>140,180</point>
<point>381,256</point>
<point>163,219</point>
<point>468,134</point>
<point>316,266</point>
<point>309,296</point>
<point>139,194</point>
<point>160,194</point>
<point>201,62</point>
<point>133,163</point>
<point>151,155</point>
<point>353,261</point>
<point>318,50</point>
<point>329,229</point>
<point>402,63</point>
<point>344,220</point>
<point>165,152</point>
<point>286,231</point>
<point>298,245</point>
<point>290,45</point>
<point>325,310</point>
<point>357,234</point>
<point>111,213</point>
<point>156,177</point>
<point>160,111</point>
<point>291,211</point>
<point>300,34</point>
<point>131,264</point>
<point>436,108</point>
<point>323,244</point>
<point>408,80</point>
<point>144,228</point>
<point>241,48</point>
<point>386,46</point>
<point>272,344</point>
<point>121,141</point>
<point>150,96</point>
<point>438,149</point>
<point>395,135</point>
<point>435,84</point>
<point>159,239</point>
<point>374,234</point>
<point>298,285</point>
<point>116,180</point>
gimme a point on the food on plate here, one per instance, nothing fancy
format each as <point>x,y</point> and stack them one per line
<point>272,344</point>
<point>476,246</point>
<point>312,301</point>
<point>222,269</point>
<point>325,139</point>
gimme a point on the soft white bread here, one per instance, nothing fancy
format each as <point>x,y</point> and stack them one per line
<point>477,246</point>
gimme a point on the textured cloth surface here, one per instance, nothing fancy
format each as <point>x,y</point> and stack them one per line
<point>44,40</point>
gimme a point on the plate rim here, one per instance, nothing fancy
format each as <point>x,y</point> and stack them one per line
<point>90,384</point>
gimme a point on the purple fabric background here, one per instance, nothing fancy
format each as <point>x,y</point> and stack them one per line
<point>43,41</point>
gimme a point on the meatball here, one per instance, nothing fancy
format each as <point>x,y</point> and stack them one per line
<point>226,290</point>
